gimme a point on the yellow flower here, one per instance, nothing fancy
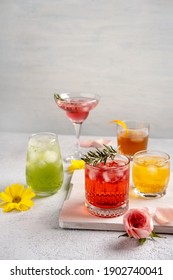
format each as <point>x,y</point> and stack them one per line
<point>76,164</point>
<point>16,197</point>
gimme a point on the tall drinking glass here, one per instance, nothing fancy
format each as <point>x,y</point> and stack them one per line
<point>44,169</point>
<point>77,108</point>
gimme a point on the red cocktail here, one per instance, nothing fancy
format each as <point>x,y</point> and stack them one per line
<point>107,187</point>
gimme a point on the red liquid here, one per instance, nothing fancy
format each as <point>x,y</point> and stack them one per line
<point>107,186</point>
<point>77,108</point>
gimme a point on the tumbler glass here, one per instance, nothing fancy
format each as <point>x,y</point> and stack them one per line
<point>150,173</point>
<point>107,187</point>
<point>44,168</point>
<point>134,138</point>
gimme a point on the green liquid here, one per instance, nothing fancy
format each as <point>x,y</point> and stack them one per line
<point>44,168</point>
<point>44,179</point>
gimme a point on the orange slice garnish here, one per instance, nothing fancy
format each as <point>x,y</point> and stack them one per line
<point>121,123</point>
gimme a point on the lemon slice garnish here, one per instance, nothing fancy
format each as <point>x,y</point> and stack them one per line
<point>121,123</point>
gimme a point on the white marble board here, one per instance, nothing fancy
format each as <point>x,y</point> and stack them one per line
<point>74,214</point>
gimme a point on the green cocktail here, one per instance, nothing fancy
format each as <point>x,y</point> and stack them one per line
<point>44,169</point>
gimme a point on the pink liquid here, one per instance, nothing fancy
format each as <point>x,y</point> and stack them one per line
<point>77,108</point>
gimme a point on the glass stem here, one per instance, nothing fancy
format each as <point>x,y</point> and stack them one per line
<point>77,127</point>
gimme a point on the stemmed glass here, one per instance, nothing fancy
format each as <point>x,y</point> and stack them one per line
<point>77,108</point>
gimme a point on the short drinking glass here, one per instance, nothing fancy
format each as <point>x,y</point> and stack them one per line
<point>150,173</point>
<point>134,139</point>
<point>107,187</point>
<point>44,169</point>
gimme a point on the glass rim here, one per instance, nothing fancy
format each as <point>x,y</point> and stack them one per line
<point>146,123</point>
<point>73,94</point>
<point>152,152</point>
<point>44,133</point>
<point>112,167</point>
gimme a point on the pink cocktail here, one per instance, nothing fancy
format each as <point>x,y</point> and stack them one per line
<point>77,108</point>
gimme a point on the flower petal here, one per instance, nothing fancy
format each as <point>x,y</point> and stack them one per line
<point>8,190</point>
<point>17,190</point>
<point>2,203</point>
<point>5,197</point>
<point>28,193</point>
<point>24,206</point>
<point>8,207</point>
<point>163,215</point>
<point>76,164</point>
<point>95,143</point>
<point>140,233</point>
<point>27,202</point>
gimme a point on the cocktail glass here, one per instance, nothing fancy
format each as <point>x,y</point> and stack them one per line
<point>44,168</point>
<point>134,138</point>
<point>77,108</point>
<point>107,187</point>
<point>150,173</point>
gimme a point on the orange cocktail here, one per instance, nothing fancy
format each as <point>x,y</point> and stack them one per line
<point>150,173</point>
<point>134,138</point>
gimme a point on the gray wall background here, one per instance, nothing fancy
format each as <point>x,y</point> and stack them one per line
<point>120,49</point>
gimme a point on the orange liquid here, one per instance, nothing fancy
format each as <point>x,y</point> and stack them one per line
<point>151,174</point>
<point>132,141</point>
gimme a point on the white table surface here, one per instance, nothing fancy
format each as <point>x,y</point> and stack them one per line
<point>35,234</point>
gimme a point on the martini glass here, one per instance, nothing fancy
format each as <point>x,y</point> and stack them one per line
<point>77,108</point>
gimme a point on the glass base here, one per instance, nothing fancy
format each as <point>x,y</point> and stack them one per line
<point>75,156</point>
<point>44,194</point>
<point>107,212</point>
<point>149,195</point>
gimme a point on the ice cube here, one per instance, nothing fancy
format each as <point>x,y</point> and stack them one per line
<point>161,163</point>
<point>32,142</point>
<point>106,177</point>
<point>33,156</point>
<point>137,139</point>
<point>141,161</point>
<point>120,163</point>
<point>152,169</point>
<point>50,156</point>
<point>137,136</point>
<point>35,144</point>
<point>119,173</point>
<point>113,176</point>
<point>41,163</point>
<point>92,174</point>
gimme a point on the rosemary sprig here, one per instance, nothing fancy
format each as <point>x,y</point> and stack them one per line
<point>57,96</point>
<point>100,155</point>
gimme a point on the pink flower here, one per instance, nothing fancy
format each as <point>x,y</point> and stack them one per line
<point>163,215</point>
<point>138,223</point>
